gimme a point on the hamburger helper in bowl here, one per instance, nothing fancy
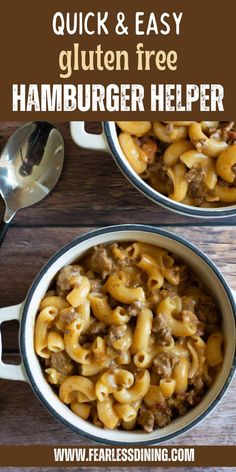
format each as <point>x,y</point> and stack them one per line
<point>191,162</point>
<point>128,337</point>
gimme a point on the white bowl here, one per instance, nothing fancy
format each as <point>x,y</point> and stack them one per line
<point>108,142</point>
<point>31,371</point>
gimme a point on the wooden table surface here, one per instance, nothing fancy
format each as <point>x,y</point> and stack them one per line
<point>91,193</point>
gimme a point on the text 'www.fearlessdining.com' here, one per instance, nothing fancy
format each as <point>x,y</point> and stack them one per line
<point>124,454</point>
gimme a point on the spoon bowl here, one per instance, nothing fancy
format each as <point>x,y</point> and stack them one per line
<point>30,166</point>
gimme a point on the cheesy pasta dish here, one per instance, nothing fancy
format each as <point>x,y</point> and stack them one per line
<point>188,161</point>
<point>128,337</point>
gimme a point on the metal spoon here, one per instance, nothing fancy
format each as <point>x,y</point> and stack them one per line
<point>30,166</point>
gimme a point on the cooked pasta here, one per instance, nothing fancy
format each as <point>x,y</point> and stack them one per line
<point>188,161</point>
<point>129,338</point>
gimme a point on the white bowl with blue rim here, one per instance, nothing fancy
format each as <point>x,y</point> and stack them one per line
<point>108,142</point>
<point>30,369</point>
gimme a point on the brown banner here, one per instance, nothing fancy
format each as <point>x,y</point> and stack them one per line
<point>99,456</point>
<point>197,44</point>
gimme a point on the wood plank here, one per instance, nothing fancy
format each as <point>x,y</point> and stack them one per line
<point>26,250</point>
<point>91,180</point>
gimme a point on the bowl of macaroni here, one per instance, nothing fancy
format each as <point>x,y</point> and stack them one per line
<point>188,167</point>
<point>127,335</point>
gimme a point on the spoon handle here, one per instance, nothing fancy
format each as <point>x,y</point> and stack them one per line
<point>3,231</point>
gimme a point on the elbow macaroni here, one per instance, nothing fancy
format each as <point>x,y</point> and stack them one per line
<point>119,346</point>
<point>191,162</point>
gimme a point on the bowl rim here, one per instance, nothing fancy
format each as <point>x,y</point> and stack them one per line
<point>156,196</point>
<point>23,340</point>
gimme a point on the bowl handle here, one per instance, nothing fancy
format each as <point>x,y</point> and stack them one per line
<point>9,371</point>
<point>88,140</point>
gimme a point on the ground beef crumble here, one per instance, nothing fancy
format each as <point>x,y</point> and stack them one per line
<point>206,310</point>
<point>158,178</point>
<point>194,397</point>
<point>162,415</point>
<point>156,417</point>
<point>100,260</point>
<point>62,362</point>
<point>66,316</point>
<point>197,188</point>
<point>189,317</point>
<point>149,147</point>
<point>188,303</point>
<point>134,308</point>
<point>146,419</point>
<point>162,330</point>
<point>96,285</point>
<point>97,328</point>
<point>115,333</point>
<point>163,364</point>
<point>65,276</point>
<point>168,290</point>
<point>178,403</point>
